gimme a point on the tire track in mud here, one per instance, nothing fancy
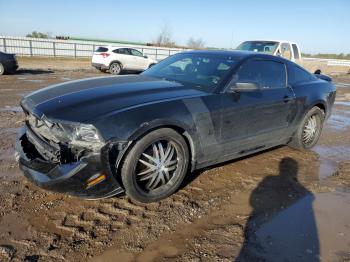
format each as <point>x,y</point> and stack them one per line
<point>72,225</point>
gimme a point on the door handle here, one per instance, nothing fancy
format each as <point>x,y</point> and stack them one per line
<point>286,99</point>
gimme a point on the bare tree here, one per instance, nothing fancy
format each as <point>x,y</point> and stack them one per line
<point>195,43</point>
<point>164,37</point>
<point>36,34</point>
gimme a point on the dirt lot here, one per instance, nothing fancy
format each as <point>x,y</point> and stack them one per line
<point>278,201</point>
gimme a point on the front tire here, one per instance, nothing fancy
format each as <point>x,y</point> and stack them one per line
<point>309,130</point>
<point>155,166</point>
<point>2,69</point>
<point>115,68</point>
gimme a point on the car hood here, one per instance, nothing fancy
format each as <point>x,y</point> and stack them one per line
<point>84,100</point>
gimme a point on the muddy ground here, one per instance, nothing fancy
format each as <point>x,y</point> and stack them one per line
<point>263,207</point>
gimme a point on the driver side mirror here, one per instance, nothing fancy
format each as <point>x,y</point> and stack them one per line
<point>243,87</point>
<point>145,56</point>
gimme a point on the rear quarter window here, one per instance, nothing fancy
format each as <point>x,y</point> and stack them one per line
<point>298,75</point>
<point>101,49</point>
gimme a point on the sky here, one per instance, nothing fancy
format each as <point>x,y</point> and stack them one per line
<point>318,26</point>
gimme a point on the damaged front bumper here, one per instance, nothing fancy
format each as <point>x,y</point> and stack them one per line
<point>89,177</point>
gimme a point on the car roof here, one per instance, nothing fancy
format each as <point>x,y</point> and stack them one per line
<point>117,47</point>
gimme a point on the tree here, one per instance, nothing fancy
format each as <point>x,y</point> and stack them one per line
<point>36,34</point>
<point>164,37</point>
<point>195,43</point>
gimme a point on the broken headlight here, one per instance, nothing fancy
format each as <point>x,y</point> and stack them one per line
<point>75,132</point>
<point>86,133</point>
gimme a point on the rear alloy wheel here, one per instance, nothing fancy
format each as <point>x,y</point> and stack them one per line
<point>155,166</point>
<point>2,70</point>
<point>115,69</point>
<point>309,130</point>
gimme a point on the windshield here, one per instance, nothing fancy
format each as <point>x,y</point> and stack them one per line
<point>199,70</point>
<point>268,47</point>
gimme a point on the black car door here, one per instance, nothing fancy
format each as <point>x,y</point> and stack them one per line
<point>259,117</point>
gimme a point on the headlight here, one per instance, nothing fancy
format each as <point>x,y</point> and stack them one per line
<point>75,132</point>
<point>69,132</point>
<point>86,133</point>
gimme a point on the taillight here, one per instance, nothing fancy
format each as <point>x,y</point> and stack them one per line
<point>104,55</point>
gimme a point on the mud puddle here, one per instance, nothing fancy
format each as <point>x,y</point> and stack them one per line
<point>339,122</point>
<point>316,227</point>
<point>66,78</point>
<point>342,84</point>
<point>329,158</point>
<point>342,103</point>
<point>35,80</point>
<point>21,78</point>
<point>15,109</point>
<point>9,131</point>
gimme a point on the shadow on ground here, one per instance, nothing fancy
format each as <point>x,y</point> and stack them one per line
<point>32,72</point>
<point>282,225</point>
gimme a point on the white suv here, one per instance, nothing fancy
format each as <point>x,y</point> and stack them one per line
<point>117,59</point>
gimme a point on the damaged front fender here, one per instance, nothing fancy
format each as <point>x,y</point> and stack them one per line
<point>73,177</point>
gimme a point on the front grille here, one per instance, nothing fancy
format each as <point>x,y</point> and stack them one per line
<point>46,150</point>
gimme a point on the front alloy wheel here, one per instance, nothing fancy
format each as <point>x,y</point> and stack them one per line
<point>155,166</point>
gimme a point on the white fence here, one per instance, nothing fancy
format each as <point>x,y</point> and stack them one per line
<point>329,62</point>
<point>26,46</point>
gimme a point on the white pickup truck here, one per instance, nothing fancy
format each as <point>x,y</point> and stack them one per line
<point>286,49</point>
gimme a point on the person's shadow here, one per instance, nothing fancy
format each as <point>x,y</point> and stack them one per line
<point>282,225</point>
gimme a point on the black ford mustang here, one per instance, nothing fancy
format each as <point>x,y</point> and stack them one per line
<point>142,134</point>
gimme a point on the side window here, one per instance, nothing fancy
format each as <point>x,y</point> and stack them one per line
<point>298,75</point>
<point>123,51</point>
<point>136,52</point>
<point>268,74</point>
<point>286,51</point>
<point>296,51</point>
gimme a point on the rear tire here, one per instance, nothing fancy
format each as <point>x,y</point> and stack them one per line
<point>155,166</point>
<point>309,130</point>
<point>2,69</point>
<point>115,68</point>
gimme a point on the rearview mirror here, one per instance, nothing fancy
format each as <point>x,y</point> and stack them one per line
<point>244,87</point>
